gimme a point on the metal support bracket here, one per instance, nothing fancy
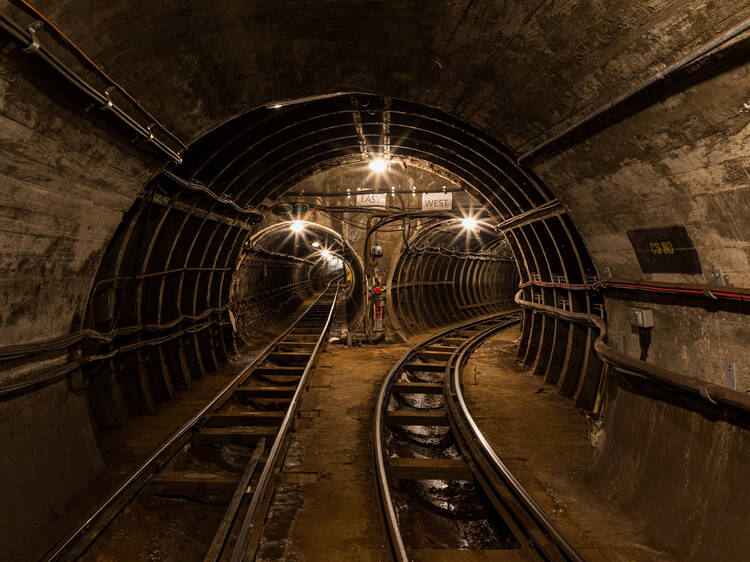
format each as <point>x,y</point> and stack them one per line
<point>703,391</point>
<point>107,94</point>
<point>34,46</point>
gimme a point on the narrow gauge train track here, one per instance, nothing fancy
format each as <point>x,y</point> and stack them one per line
<point>442,488</point>
<point>227,455</point>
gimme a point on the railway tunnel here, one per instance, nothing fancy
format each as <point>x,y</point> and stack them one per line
<point>535,208</point>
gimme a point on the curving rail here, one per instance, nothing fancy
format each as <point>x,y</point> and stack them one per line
<point>434,468</point>
<point>245,415</point>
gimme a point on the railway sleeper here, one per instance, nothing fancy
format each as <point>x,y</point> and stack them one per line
<point>255,418</point>
<point>416,417</point>
<point>191,484</point>
<point>233,435</point>
<point>405,468</point>
<point>426,367</point>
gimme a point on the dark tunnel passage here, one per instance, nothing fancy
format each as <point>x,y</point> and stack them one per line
<point>308,257</point>
<point>181,182</point>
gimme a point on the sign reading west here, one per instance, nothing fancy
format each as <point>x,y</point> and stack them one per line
<point>437,201</point>
<point>371,200</point>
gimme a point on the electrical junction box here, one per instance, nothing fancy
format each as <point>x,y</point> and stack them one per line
<point>376,251</point>
<point>641,317</point>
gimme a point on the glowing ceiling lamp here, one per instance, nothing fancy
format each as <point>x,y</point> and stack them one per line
<point>378,165</point>
<point>326,254</point>
<point>315,244</point>
<point>469,223</point>
<point>297,226</point>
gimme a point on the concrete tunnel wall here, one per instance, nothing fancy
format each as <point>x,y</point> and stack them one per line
<point>674,156</point>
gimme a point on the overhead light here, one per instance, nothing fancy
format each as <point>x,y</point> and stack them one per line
<point>297,226</point>
<point>469,223</point>
<point>277,106</point>
<point>326,254</point>
<point>315,244</point>
<point>378,165</point>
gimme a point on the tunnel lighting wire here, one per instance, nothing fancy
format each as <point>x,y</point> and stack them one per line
<point>196,186</point>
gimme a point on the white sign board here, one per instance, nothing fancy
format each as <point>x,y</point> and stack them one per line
<point>371,200</point>
<point>437,201</point>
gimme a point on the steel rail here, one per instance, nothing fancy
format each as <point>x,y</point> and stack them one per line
<point>130,487</point>
<point>275,455</point>
<point>559,548</point>
<point>398,549</point>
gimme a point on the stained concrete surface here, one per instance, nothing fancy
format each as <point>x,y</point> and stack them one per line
<point>325,506</point>
<point>544,441</point>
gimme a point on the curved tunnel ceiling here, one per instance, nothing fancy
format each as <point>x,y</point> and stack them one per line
<point>263,153</point>
<point>509,67</point>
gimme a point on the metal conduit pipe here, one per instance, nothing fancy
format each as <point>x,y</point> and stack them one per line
<point>50,375</point>
<point>661,75</point>
<point>712,292</point>
<point>101,98</point>
<point>32,45</point>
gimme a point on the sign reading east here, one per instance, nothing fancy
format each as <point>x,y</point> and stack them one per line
<point>371,200</point>
<point>437,201</point>
<point>667,249</point>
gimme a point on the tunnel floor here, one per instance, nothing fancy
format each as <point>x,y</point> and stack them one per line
<point>325,505</point>
<point>543,441</point>
<point>124,448</point>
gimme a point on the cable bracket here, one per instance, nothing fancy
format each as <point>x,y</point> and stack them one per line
<point>34,46</point>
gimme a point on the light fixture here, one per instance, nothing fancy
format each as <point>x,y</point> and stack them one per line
<point>315,244</point>
<point>377,165</point>
<point>276,106</point>
<point>469,223</point>
<point>325,253</point>
<point>297,226</point>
